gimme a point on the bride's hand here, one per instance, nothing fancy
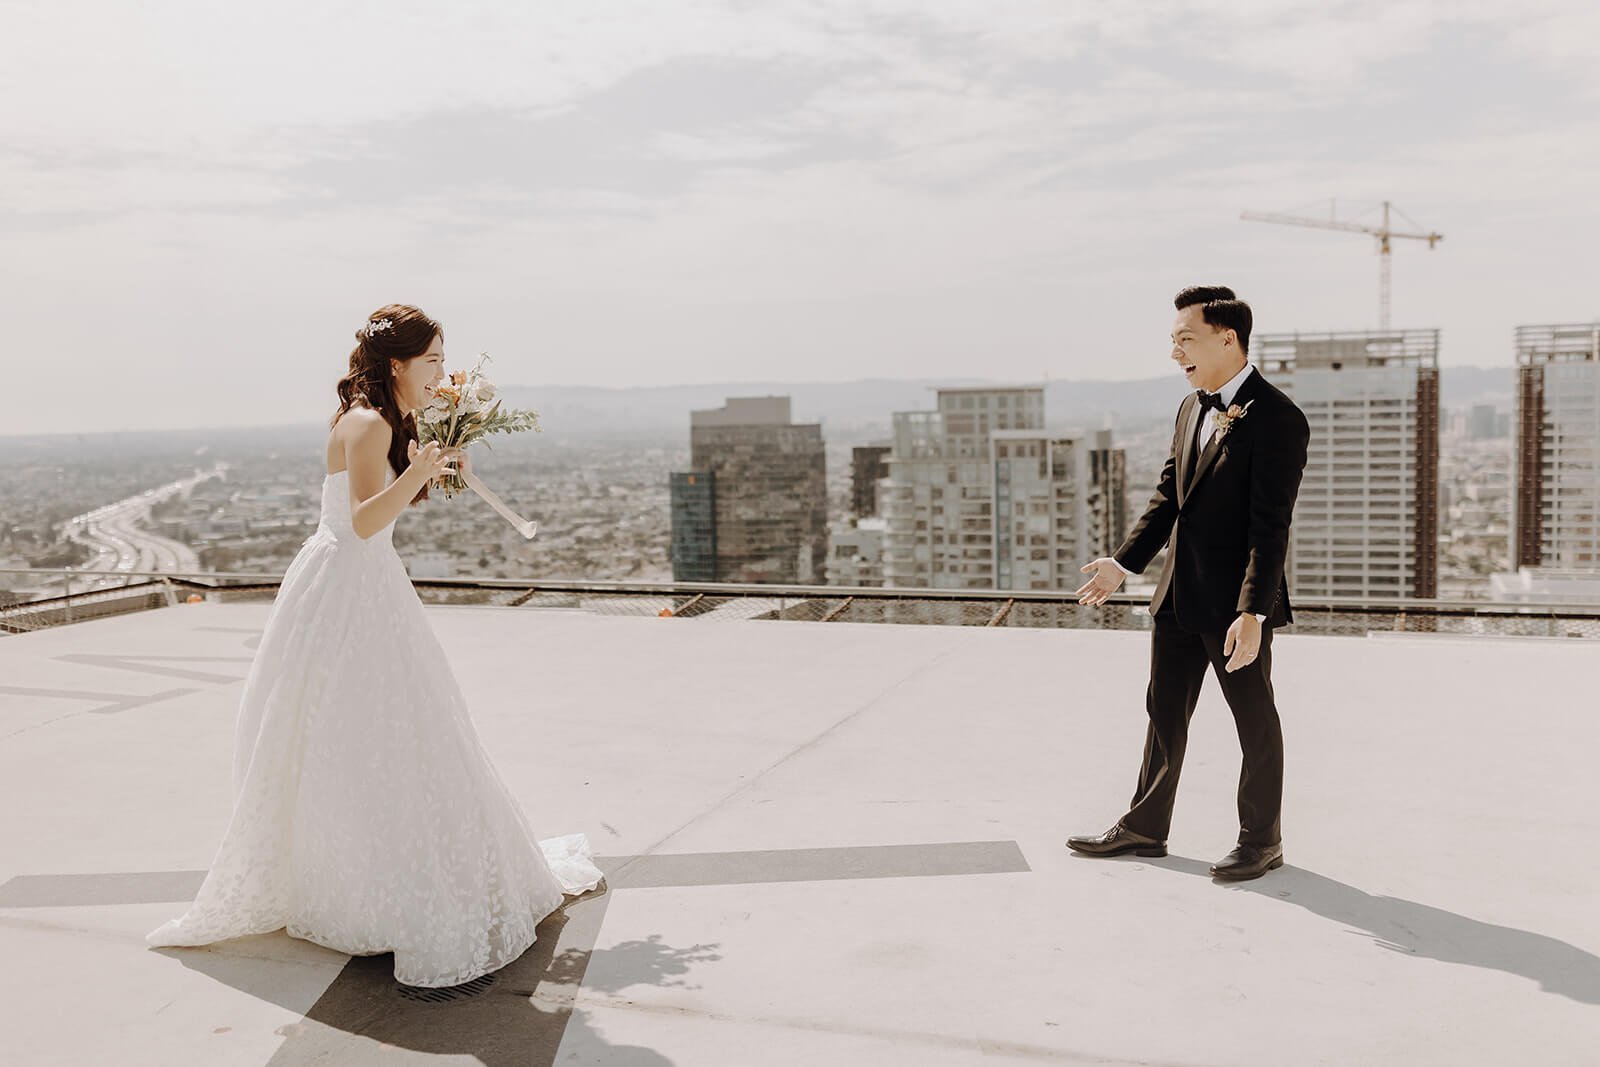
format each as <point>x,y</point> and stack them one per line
<point>466,463</point>
<point>431,459</point>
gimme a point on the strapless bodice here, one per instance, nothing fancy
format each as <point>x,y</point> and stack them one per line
<point>336,511</point>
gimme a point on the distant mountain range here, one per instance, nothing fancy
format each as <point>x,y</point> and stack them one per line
<point>862,408</point>
<point>849,411</point>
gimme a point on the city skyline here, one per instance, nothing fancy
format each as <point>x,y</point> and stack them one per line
<point>206,202</point>
<point>583,489</point>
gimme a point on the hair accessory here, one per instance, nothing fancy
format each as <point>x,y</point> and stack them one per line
<point>375,327</point>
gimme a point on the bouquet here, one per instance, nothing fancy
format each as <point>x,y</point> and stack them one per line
<point>463,411</point>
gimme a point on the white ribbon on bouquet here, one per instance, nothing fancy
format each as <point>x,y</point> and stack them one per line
<point>526,527</point>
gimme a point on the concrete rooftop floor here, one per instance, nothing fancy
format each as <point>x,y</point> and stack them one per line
<point>836,843</point>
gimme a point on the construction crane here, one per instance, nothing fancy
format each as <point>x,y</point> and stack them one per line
<point>1383,233</point>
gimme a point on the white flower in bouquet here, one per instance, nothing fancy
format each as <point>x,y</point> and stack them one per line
<point>463,411</point>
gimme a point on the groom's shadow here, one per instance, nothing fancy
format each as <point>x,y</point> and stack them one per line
<point>1418,929</point>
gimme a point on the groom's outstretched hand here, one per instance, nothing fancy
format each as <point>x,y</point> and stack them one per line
<point>1243,642</point>
<point>1106,578</point>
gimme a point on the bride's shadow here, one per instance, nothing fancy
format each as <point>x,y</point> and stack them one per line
<point>522,1015</point>
<point>1418,929</point>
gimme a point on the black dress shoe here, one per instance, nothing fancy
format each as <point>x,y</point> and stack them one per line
<point>1247,862</point>
<point>1116,841</point>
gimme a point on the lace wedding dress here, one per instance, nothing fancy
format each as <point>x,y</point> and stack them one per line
<point>367,817</point>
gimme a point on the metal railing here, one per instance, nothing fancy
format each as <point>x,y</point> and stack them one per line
<point>99,594</point>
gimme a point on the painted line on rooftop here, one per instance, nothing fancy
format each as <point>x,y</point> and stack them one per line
<point>625,872</point>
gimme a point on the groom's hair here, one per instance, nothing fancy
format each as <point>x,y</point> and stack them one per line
<point>1220,309</point>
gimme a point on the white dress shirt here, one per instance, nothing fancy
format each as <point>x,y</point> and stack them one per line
<point>1208,426</point>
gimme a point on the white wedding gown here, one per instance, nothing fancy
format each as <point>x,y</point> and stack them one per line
<point>367,817</point>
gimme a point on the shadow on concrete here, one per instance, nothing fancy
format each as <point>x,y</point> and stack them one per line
<point>1417,929</point>
<point>524,1017</point>
<point>631,963</point>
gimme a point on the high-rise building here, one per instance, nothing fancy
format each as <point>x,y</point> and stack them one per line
<point>868,466</point>
<point>694,526</point>
<point>1558,447</point>
<point>855,552</point>
<point>762,480</point>
<point>981,496</point>
<point>1108,500</point>
<point>1043,521</point>
<point>940,506</point>
<point>1366,524</point>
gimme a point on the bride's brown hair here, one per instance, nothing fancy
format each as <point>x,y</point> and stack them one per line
<point>399,332</point>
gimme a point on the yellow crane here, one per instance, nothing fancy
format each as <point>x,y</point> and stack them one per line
<point>1384,233</point>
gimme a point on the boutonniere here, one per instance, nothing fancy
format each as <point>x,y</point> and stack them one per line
<point>1225,419</point>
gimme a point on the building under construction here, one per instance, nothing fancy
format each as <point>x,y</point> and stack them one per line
<point>1558,447</point>
<point>1367,520</point>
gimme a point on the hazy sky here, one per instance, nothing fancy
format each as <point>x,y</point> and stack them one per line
<point>202,201</point>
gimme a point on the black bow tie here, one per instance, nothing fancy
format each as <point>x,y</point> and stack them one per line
<point>1210,400</point>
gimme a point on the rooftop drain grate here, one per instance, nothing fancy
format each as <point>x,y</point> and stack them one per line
<point>445,994</point>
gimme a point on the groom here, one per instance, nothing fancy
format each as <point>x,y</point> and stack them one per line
<point>1222,510</point>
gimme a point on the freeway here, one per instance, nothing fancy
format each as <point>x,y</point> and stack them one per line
<point>119,541</point>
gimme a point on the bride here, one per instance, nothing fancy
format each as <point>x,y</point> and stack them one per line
<point>366,815</point>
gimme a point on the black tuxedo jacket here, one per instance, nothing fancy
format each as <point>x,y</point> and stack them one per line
<point>1226,526</point>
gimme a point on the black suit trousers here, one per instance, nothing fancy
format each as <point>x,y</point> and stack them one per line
<point>1178,662</point>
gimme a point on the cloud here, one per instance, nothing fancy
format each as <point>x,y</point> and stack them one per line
<point>649,192</point>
